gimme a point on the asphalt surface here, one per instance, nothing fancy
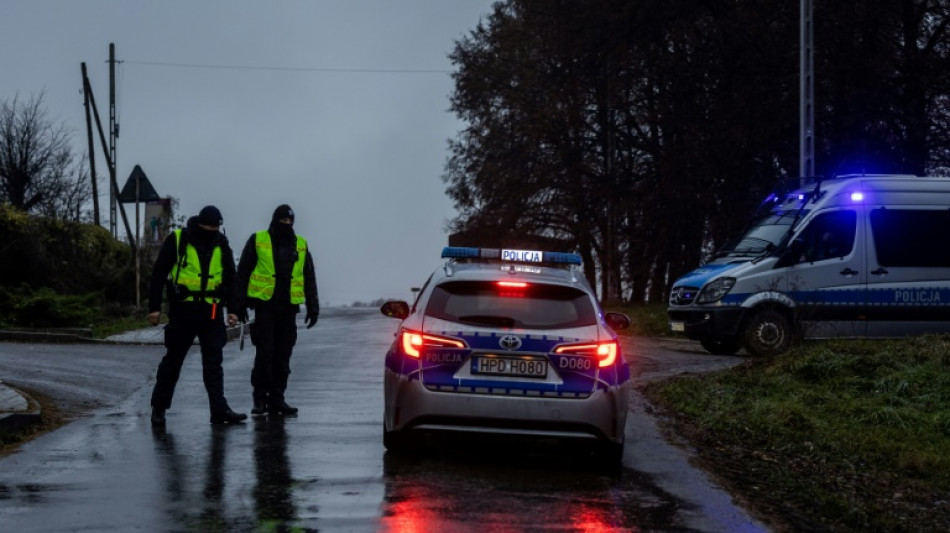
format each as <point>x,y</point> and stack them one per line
<point>327,467</point>
<point>18,409</point>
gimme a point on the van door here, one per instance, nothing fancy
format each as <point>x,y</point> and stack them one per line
<point>828,282</point>
<point>909,263</point>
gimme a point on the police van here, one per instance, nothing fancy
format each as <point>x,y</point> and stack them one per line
<point>856,256</point>
<point>509,342</point>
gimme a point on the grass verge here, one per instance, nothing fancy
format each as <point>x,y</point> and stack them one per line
<point>831,436</point>
<point>647,320</point>
<point>119,324</point>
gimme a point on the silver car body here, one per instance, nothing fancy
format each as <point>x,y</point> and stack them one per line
<point>454,384</point>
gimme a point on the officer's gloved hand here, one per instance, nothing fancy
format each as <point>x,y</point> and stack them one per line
<point>311,320</point>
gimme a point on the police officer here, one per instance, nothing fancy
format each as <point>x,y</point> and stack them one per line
<point>275,276</point>
<point>196,267</point>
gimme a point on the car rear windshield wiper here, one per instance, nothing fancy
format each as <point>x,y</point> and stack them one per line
<point>488,320</point>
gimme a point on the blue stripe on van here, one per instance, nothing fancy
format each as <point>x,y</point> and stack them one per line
<point>857,296</point>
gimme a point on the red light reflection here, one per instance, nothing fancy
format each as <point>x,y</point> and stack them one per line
<point>418,509</point>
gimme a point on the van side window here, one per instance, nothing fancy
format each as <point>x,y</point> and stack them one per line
<point>911,237</point>
<point>830,235</point>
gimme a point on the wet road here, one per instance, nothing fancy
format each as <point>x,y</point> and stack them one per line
<point>326,469</point>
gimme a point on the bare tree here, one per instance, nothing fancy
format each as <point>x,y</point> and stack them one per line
<point>38,171</point>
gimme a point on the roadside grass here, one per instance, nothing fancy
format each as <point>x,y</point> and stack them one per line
<point>647,320</point>
<point>115,324</point>
<point>831,436</point>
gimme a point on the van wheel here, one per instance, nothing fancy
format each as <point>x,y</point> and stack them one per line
<point>767,333</point>
<point>721,347</point>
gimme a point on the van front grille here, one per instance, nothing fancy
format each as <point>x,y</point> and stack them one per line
<point>683,295</point>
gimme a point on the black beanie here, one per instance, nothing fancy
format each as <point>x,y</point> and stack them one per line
<point>210,216</point>
<point>283,211</point>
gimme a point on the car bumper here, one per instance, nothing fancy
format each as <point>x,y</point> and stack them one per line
<point>699,324</point>
<point>601,416</point>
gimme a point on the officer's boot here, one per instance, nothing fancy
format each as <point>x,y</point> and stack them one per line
<point>280,407</point>
<point>260,404</point>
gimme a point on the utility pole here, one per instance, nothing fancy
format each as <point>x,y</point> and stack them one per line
<point>92,148</point>
<point>113,133</point>
<point>87,87</point>
<point>806,143</point>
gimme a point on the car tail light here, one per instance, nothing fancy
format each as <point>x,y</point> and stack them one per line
<point>414,341</point>
<point>511,289</point>
<point>605,352</point>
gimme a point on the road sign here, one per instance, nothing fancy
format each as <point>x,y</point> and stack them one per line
<point>146,191</point>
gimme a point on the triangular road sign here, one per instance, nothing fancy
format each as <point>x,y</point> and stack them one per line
<point>146,191</point>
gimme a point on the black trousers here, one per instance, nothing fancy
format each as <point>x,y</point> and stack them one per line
<point>274,334</point>
<point>179,336</point>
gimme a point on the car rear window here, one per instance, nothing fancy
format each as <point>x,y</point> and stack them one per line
<point>535,306</point>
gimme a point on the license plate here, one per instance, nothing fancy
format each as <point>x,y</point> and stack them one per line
<point>677,326</point>
<point>497,365</point>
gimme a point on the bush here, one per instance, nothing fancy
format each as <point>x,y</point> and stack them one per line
<point>69,258</point>
<point>62,274</point>
<point>44,308</point>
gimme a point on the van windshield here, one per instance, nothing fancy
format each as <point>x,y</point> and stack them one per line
<point>764,235</point>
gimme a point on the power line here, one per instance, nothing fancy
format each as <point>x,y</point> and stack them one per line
<point>288,69</point>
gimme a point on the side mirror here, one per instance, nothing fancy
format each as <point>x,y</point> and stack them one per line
<point>617,321</point>
<point>395,309</point>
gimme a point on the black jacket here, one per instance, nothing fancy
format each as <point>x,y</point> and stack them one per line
<point>204,243</point>
<point>285,248</point>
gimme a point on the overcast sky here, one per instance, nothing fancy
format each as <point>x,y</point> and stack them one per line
<point>336,107</point>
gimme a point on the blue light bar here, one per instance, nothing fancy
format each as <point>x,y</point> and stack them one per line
<point>459,252</point>
<point>562,257</point>
<point>510,256</point>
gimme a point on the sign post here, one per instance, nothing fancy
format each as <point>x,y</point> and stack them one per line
<point>138,189</point>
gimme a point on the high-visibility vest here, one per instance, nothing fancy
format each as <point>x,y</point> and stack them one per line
<point>263,279</point>
<point>187,278</point>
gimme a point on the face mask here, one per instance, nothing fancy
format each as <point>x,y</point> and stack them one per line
<point>206,234</point>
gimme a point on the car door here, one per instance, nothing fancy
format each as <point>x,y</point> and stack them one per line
<point>828,281</point>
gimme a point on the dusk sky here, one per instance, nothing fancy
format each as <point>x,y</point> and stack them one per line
<point>338,108</point>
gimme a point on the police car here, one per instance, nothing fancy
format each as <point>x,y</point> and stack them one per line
<point>507,342</point>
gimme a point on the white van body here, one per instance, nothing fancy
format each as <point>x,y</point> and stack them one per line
<point>855,256</point>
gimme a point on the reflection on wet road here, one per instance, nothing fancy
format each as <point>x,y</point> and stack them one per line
<point>492,489</point>
<point>326,469</point>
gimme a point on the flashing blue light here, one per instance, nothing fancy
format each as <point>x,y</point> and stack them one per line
<point>459,252</point>
<point>857,196</point>
<point>510,256</point>
<point>801,196</point>
<point>562,257</point>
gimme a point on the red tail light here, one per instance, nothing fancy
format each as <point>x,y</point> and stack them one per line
<point>413,342</point>
<point>511,289</point>
<point>605,352</point>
